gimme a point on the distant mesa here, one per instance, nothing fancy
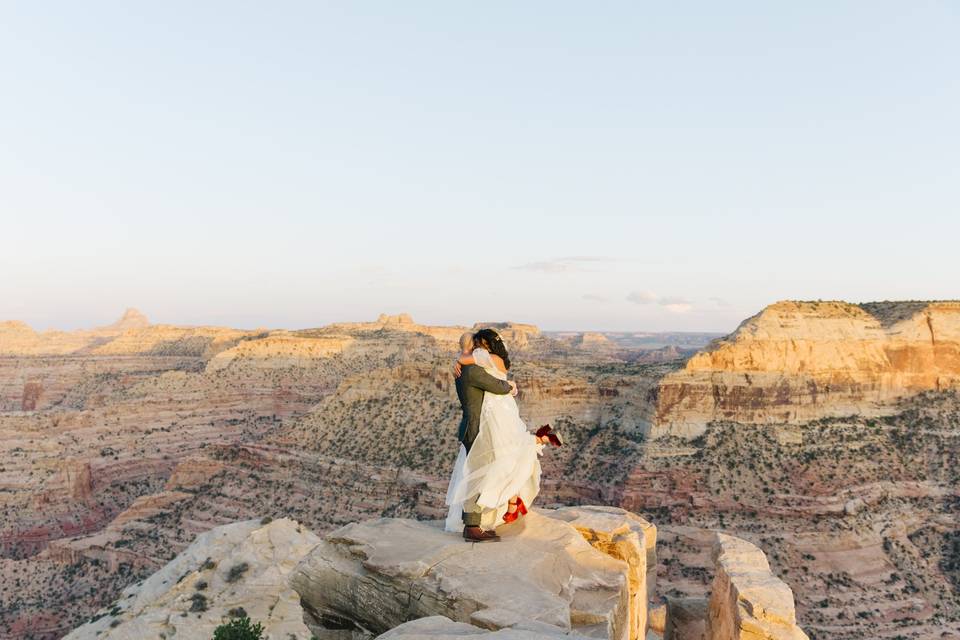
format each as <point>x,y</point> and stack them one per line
<point>401,318</point>
<point>591,339</point>
<point>131,319</point>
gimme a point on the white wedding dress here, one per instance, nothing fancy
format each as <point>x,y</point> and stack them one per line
<point>503,461</point>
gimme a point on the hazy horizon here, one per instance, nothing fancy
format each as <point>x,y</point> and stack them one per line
<point>465,322</point>
<point>614,168</point>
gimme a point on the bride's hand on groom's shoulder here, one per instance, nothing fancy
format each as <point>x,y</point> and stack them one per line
<point>513,388</point>
<point>456,368</point>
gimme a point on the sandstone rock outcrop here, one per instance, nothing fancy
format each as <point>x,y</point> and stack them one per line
<point>381,573</point>
<point>592,340</point>
<point>630,538</point>
<point>131,319</point>
<point>131,335</point>
<point>576,572</point>
<point>18,339</point>
<point>748,602</point>
<point>800,361</point>
<point>446,336</point>
<point>279,350</point>
<point>234,570</point>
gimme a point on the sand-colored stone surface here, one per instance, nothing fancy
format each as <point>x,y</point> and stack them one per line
<point>800,361</point>
<point>748,602</point>
<point>229,571</point>
<point>627,536</point>
<point>383,572</point>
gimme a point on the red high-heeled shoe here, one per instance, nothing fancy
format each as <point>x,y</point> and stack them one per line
<point>521,510</point>
<point>554,437</point>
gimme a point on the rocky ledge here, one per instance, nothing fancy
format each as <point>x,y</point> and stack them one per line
<point>575,572</point>
<point>382,573</point>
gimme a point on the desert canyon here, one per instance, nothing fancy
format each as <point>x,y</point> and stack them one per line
<point>796,478</point>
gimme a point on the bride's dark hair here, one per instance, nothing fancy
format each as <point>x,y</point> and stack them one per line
<point>492,342</point>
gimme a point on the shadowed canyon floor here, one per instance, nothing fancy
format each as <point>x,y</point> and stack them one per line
<point>118,446</point>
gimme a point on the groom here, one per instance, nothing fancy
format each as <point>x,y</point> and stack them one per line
<point>472,382</point>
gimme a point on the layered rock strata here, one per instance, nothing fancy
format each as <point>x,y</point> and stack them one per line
<point>800,361</point>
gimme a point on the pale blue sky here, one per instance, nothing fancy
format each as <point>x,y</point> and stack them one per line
<point>618,165</point>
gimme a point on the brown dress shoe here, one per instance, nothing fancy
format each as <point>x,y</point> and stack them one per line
<point>476,534</point>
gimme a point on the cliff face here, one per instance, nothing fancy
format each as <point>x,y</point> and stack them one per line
<point>800,361</point>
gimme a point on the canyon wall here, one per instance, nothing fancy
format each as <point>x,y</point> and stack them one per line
<point>120,445</point>
<point>800,361</point>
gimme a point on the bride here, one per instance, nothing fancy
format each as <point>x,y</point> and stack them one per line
<point>502,468</point>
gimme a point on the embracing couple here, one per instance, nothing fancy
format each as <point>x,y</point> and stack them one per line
<point>497,473</point>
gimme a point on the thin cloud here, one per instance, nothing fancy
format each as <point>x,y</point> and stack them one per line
<point>673,304</point>
<point>642,297</point>
<point>720,302</point>
<point>564,265</point>
<point>595,298</point>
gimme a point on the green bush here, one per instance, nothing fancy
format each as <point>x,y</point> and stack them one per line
<point>239,629</point>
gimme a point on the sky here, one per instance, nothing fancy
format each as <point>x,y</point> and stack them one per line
<point>606,166</point>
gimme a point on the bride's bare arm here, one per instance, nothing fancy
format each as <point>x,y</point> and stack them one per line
<point>498,361</point>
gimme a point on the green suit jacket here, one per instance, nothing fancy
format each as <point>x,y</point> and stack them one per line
<point>471,385</point>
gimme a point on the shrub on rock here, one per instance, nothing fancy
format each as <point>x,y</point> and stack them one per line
<point>239,629</point>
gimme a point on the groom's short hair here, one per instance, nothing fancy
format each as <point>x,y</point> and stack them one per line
<point>466,340</point>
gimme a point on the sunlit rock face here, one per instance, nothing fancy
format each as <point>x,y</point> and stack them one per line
<point>747,601</point>
<point>234,570</point>
<point>582,571</point>
<point>800,361</point>
<point>555,574</point>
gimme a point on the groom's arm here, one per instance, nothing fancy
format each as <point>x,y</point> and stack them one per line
<point>477,377</point>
